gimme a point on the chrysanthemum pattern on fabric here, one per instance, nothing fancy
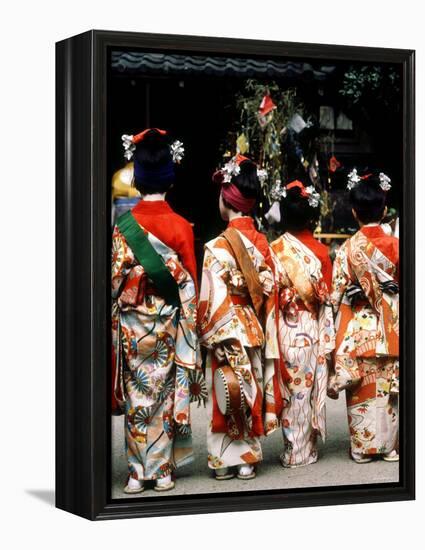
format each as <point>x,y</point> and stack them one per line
<point>159,353</point>
<point>366,355</point>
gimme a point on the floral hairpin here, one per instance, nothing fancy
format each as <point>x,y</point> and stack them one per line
<point>354,178</point>
<point>262,175</point>
<point>278,191</point>
<point>384,182</point>
<point>313,196</point>
<point>232,168</point>
<point>129,144</point>
<point>177,151</point>
<point>229,170</point>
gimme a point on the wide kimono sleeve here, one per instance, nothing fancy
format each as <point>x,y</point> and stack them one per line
<point>122,262</point>
<point>340,277</point>
<point>121,265</point>
<point>186,249</point>
<point>217,319</point>
<point>273,365</point>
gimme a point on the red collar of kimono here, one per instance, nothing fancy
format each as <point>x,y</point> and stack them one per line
<point>152,207</point>
<point>372,231</point>
<point>242,223</point>
<point>306,233</point>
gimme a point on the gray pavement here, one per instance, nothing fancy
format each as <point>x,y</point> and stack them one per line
<point>333,468</point>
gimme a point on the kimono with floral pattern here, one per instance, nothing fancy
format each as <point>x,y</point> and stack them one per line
<point>158,361</point>
<point>227,317</point>
<point>366,354</point>
<point>306,338</point>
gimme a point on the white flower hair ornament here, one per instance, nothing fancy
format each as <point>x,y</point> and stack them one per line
<point>232,168</point>
<point>229,170</point>
<point>384,182</point>
<point>278,191</point>
<point>262,175</point>
<point>353,179</point>
<point>177,151</point>
<point>129,144</point>
<point>313,196</point>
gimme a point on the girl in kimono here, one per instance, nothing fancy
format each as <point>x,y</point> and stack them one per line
<point>236,303</point>
<point>304,324</point>
<point>154,319</point>
<point>365,298</point>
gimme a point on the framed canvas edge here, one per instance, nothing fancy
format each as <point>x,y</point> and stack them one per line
<point>81,478</point>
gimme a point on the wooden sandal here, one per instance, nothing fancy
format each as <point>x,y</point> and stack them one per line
<point>222,477</point>
<point>161,488</point>
<point>129,491</point>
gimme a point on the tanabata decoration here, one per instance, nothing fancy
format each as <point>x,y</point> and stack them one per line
<point>334,164</point>
<point>271,123</point>
<point>297,123</point>
<point>265,112</point>
<point>242,144</point>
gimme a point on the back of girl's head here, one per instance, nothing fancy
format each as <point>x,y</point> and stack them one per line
<point>155,171</point>
<point>367,198</point>
<point>247,180</point>
<point>296,213</point>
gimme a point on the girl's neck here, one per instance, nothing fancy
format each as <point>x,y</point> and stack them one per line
<point>154,197</point>
<point>371,224</point>
<point>234,215</point>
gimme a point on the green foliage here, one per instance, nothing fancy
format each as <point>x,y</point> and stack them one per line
<point>266,142</point>
<point>369,82</point>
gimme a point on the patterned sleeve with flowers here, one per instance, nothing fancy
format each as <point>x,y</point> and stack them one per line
<point>220,321</point>
<point>340,277</point>
<point>122,262</point>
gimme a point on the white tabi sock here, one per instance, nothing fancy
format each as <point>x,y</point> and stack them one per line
<point>163,481</point>
<point>245,469</point>
<point>134,483</point>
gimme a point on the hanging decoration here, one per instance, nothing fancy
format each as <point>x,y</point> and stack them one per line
<point>334,164</point>
<point>273,125</point>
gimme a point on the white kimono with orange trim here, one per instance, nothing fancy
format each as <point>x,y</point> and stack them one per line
<point>306,337</point>
<point>366,354</point>
<point>226,317</point>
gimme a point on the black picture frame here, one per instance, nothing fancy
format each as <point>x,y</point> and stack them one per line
<point>82,281</point>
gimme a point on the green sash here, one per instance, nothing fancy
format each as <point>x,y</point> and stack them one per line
<point>149,259</point>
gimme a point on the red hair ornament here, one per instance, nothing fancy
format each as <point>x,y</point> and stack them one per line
<point>308,193</point>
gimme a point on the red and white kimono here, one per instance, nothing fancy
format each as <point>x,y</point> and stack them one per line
<point>227,317</point>
<point>155,344</point>
<point>306,339</point>
<point>367,338</point>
